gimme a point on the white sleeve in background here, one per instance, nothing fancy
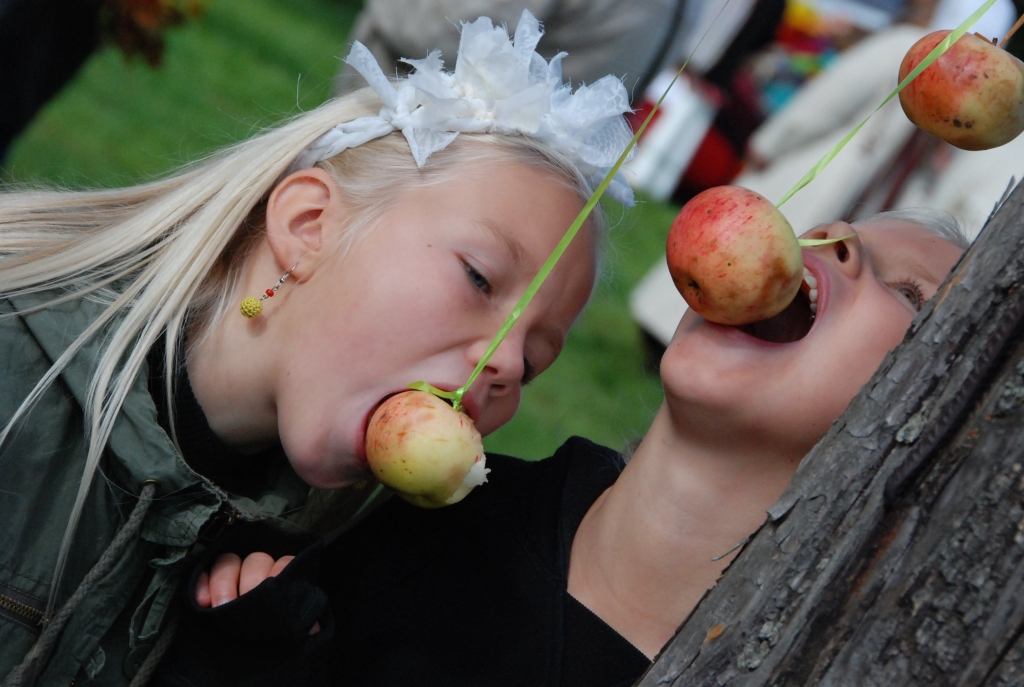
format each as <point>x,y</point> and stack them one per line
<point>949,14</point>
<point>841,95</point>
<point>969,186</point>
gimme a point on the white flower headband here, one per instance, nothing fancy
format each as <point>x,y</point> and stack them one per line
<point>499,86</point>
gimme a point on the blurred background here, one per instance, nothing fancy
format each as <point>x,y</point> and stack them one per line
<point>101,93</point>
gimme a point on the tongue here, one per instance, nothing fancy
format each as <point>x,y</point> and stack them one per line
<point>792,324</point>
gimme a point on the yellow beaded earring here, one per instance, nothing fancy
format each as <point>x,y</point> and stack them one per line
<point>252,306</point>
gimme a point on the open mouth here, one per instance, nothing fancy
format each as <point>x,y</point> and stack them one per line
<point>794,322</point>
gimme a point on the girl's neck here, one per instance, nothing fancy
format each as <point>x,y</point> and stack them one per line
<point>231,374</point>
<point>654,542</point>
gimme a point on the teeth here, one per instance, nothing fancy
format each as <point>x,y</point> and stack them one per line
<point>812,290</point>
<point>812,286</point>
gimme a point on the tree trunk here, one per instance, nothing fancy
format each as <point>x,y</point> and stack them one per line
<point>896,556</point>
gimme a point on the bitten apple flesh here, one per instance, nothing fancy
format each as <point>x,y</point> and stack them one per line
<point>733,256</point>
<point>425,450</point>
<point>971,97</point>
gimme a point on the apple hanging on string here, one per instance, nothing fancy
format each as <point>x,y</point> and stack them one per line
<point>734,256</point>
<point>424,449</point>
<point>971,97</point>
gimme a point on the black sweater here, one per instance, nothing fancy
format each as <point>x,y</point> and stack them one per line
<point>468,595</point>
<point>475,594</point>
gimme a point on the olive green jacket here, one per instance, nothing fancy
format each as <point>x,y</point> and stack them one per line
<point>41,467</point>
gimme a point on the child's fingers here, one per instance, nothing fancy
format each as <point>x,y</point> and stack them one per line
<point>224,577</point>
<point>255,568</point>
<point>203,590</point>
<point>279,565</point>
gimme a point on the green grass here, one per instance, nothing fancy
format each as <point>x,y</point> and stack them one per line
<point>243,64</point>
<point>247,63</point>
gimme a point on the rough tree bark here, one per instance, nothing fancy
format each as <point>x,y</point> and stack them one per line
<point>896,556</point>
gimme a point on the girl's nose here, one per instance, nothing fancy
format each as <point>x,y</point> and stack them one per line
<point>503,372</point>
<point>847,255</point>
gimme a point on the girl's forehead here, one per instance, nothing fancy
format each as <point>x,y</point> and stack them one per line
<point>901,244</point>
<point>895,232</point>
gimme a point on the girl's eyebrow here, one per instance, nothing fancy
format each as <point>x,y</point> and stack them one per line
<point>908,260</point>
<point>515,250</point>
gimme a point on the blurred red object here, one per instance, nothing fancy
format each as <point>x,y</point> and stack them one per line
<point>714,164</point>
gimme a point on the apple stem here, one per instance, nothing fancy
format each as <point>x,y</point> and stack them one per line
<point>1013,30</point>
<point>823,242</point>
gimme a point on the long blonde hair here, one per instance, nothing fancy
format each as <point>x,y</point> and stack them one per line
<point>168,253</point>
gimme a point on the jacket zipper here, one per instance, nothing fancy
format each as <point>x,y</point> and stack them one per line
<point>18,608</point>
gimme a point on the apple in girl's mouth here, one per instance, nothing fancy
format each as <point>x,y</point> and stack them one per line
<point>734,257</point>
<point>428,452</point>
<point>972,97</point>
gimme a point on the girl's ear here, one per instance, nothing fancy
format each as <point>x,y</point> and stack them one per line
<point>301,213</point>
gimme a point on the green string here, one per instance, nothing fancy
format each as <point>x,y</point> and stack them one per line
<point>556,254</point>
<point>824,242</point>
<point>935,54</point>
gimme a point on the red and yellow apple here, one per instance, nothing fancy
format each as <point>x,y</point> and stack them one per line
<point>428,452</point>
<point>733,256</point>
<point>971,97</point>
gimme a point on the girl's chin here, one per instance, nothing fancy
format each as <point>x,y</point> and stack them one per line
<point>707,340</point>
<point>711,362</point>
<point>334,479</point>
<point>739,336</point>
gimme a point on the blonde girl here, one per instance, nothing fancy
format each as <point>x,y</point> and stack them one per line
<point>142,413</point>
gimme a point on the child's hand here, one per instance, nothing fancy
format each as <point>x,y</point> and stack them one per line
<point>230,577</point>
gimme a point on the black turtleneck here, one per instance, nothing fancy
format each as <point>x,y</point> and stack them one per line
<point>203,451</point>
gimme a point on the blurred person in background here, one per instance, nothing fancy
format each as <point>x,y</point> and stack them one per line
<point>632,39</point>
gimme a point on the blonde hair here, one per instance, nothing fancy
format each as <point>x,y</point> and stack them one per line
<point>170,252</point>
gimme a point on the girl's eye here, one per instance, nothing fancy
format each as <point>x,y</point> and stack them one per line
<point>479,280</point>
<point>910,290</point>
<point>529,372</point>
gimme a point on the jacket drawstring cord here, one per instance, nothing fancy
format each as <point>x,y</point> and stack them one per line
<point>156,654</point>
<point>27,671</point>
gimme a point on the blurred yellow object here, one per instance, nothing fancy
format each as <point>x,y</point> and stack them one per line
<point>802,17</point>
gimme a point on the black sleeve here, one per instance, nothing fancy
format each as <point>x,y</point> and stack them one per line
<point>261,638</point>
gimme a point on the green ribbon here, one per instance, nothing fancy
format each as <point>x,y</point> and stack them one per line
<point>935,54</point>
<point>824,242</point>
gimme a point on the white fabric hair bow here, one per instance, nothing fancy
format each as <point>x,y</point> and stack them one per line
<point>499,86</point>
